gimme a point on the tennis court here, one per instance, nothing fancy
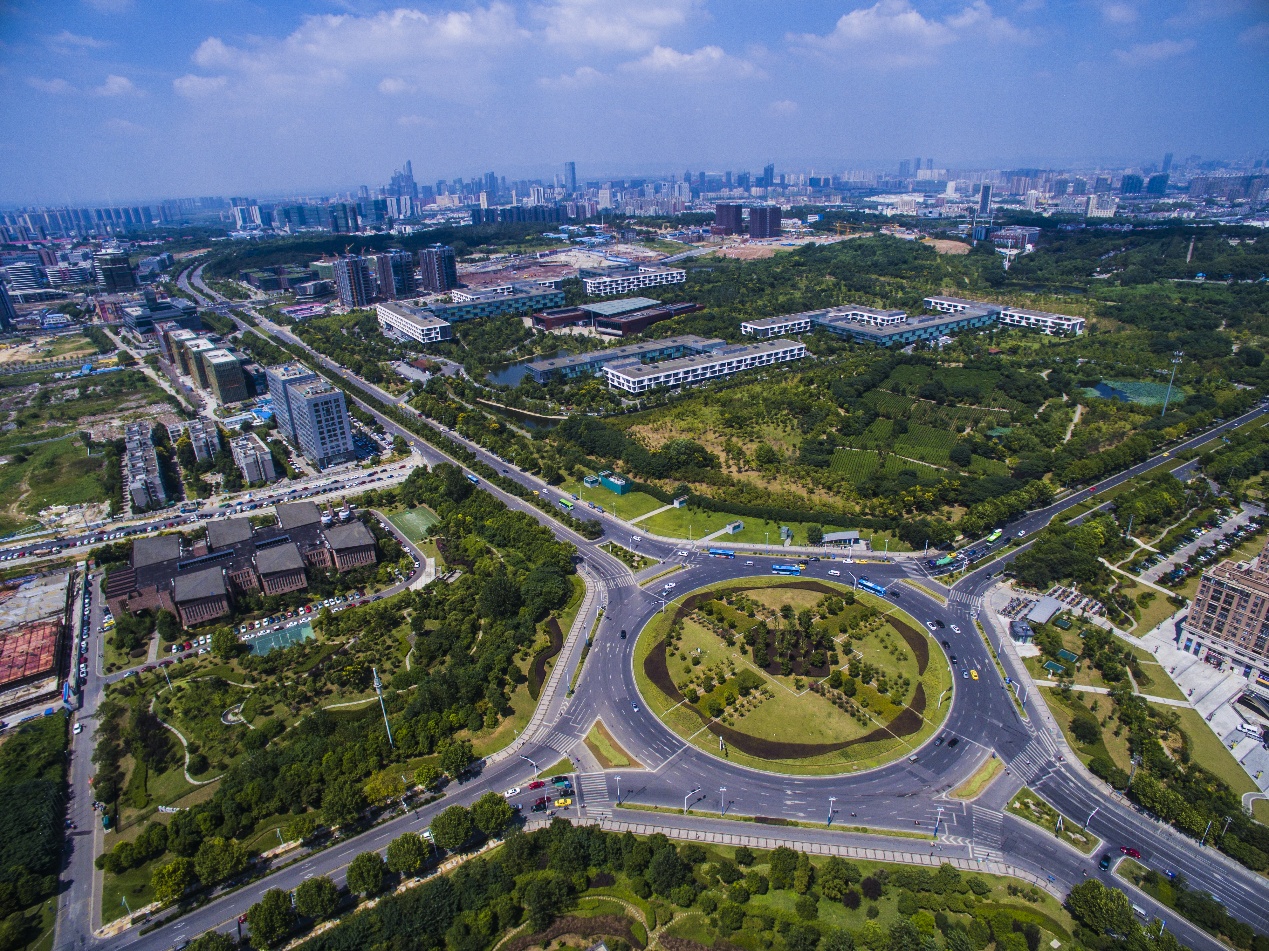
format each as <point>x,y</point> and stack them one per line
<point>282,638</point>
<point>414,524</point>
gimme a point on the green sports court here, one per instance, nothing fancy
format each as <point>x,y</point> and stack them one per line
<point>415,523</point>
<point>285,637</point>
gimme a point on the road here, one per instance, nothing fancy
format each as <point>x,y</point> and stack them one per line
<point>983,715</point>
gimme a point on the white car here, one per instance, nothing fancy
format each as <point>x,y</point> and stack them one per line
<point>681,553</point>
<point>955,629</point>
<point>79,728</point>
<point>669,584</point>
<point>749,564</point>
<point>1022,533</point>
<point>512,792</point>
<point>834,572</point>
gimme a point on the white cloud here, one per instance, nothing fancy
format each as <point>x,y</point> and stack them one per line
<point>66,42</point>
<point>583,77</point>
<point>1255,35</point>
<point>782,108</point>
<point>1119,13</point>
<point>392,86</point>
<point>629,25</point>
<point>708,61</point>
<point>191,86</point>
<point>55,87</point>
<point>123,127</point>
<point>116,86</point>
<point>893,33</point>
<point>1144,53</point>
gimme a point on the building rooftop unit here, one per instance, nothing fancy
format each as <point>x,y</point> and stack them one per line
<point>623,305</point>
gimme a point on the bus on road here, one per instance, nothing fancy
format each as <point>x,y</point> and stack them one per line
<point>872,588</point>
<point>566,505</point>
<point>785,570</point>
<point>472,479</point>
<point>722,553</point>
<point>995,536</point>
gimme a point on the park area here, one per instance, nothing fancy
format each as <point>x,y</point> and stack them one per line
<point>415,523</point>
<point>801,676</point>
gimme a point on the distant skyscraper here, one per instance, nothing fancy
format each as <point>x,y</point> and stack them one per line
<point>438,270</point>
<point>1131,185</point>
<point>916,165</point>
<point>394,274</point>
<point>727,218</point>
<point>984,199</point>
<point>768,176</point>
<point>905,169</point>
<point>1167,162</point>
<point>7,314</point>
<point>491,185</point>
<point>570,178</point>
<point>929,164</point>
<point>1158,184</point>
<point>764,221</point>
<point>114,273</point>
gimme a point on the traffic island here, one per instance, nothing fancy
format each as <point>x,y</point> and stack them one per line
<point>800,676</point>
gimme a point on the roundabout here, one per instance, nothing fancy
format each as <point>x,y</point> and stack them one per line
<point>799,676</point>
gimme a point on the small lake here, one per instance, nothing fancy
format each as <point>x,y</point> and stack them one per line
<point>512,374</point>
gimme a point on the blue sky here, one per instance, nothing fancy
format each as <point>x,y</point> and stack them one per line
<point>139,99</point>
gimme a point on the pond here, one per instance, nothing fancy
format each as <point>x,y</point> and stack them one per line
<point>512,373</point>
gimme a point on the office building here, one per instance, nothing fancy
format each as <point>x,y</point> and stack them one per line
<point>141,316</point>
<point>698,368</point>
<point>7,312</point>
<point>421,326</point>
<point>253,459</point>
<point>1228,623</point>
<point>143,480</point>
<point>623,280</point>
<point>394,274</point>
<point>1102,205</point>
<point>323,431</point>
<point>1157,185</point>
<point>570,178</point>
<point>1041,320</point>
<point>728,218</point>
<point>593,362</point>
<point>437,269</point>
<point>278,379</point>
<point>984,199</point>
<point>194,351</point>
<point>764,221</point>
<point>24,277</point>
<point>630,319</point>
<point>889,328</point>
<point>1167,162</point>
<point>765,327</point>
<point>354,280</point>
<point>960,305</point>
<point>518,298</point>
<point>224,376</point>
<point>1131,185</point>
<point>905,169</point>
<point>114,273</point>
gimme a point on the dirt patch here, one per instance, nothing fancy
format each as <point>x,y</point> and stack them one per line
<point>537,673</point>
<point>944,246</point>
<point>906,723</point>
<point>757,253</point>
<point>599,926</point>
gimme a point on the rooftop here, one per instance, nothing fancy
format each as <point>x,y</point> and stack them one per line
<point>286,557</point>
<point>352,535</point>
<point>295,514</point>
<point>623,305</point>
<point>224,533</point>
<point>207,583</point>
<point>43,597</point>
<point>633,350</point>
<point>722,354</point>
<point>150,551</point>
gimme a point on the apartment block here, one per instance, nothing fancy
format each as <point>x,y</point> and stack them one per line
<point>1041,320</point>
<point>253,459</point>
<point>623,280</point>
<point>1228,623</point>
<point>638,378</point>
<point>421,326</point>
<point>141,469</point>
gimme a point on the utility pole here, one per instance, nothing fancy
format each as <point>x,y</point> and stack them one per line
<point>379,691</point>
<point>619,790</point>
<point>831,800</point>
<point>535,767</point>
<point>694,790</point>
<point>1203,840</point>
<point>1176,360</point>
<point>1090,817</point>
<point>722,800</point>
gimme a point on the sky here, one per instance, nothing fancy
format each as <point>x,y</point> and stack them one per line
<point>134,100</point>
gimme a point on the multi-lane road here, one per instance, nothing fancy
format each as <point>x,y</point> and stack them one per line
<point>983,715</point>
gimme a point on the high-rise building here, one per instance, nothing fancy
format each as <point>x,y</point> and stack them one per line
<point>929,164</point>
<point>7,314</point>
<point>394,274</point>
<point>323,432</point>
<point>768,176</point>
<point>355,281</point>
<point>279,379</point>
<point>905,169</point>
<point>437,268</point>
<point>916,165</point>
<point>1131,185</point>
<point>114,273</point>
<point>727,218</point>
<point>570,178</point>
<point>1158,184</point>
<point>984,199</point>
<point>1229,620</point>
<point>1167,162</point>
<point>764,221</point>
<point>224,373</point>
<point>491,185</point>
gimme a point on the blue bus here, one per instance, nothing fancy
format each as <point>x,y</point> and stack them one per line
<point>472,479</point>
<point>872,588</point>
<point>786,570</point>
<point>722,553</point>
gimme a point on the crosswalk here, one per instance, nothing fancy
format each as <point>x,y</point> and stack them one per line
<point>594,798</point>
<point>560,742</point>
<point>988,829</point>
<point>1036,761</point>
<point>960,597</point>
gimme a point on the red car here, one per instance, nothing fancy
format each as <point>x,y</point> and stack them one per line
<point>1129,851</point>
<point>536,784</point>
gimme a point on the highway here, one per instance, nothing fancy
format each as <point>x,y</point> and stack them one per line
<point>895,797</point>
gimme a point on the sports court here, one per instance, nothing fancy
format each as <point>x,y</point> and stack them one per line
<point>414,524</point>
<point>284,637</point>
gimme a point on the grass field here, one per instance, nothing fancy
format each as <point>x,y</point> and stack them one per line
<point>686,522</point>
<point>1116,746</point>
<point>628,506</point>
<point>606,749</point>
<point>1027,805</point>
<point>414,524</point>
<point>60,472</point>
<point>980,779</point>
<point>1209,752</point>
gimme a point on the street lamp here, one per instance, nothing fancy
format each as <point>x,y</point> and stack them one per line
<point>694,790</point>
<point>722,800</point>
<point>1090,817</point>
<point>1175,360</point>
<point>619,790</point>
<point>531,763</point>
<point>831,800</point>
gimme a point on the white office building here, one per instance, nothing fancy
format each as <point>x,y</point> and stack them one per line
<point>959,305</point>
<point>1042,321</point>
<point>323,431</point>
<point>868,316</point>
<point>419,325</point>
<point>605,283</point>
<point>765,327</point>
<point>697,368</point>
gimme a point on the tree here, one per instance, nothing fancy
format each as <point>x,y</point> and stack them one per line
<point>171,879</point>
<point>491,814</point>
<point>429,777</point>
<point>212,941</point>
<point>1099,908</point>
<point>385,786</point>
<point>399,445</point>
<point>836,876</point>
<point>317,898</point>
<point>456,757</point>
<point>168,627</point>
<point>343,802</point>
<point>406,853</point>
<point>452,828</point>
<point>544,898</point>
<point>271,918</point>
<point>784,862</point>
<point>224,643</point>
<point>814,534</point>
<point>667,870</point>
<point>365,874</point>
<point>298,828</point>
<point>219,859</point>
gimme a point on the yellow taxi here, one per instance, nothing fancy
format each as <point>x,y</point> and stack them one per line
<point>563,803</point>
<point>973,674</point>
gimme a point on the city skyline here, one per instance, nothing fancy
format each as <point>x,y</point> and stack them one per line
<point>121,100</point>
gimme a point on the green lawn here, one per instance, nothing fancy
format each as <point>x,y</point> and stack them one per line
<point>1209,752</point>
<point>1027,805</point>
<point>133,885</point>
<point>414,524</point>
<point>53,473</point>
<point>687,523</point>
<point>628,506</point>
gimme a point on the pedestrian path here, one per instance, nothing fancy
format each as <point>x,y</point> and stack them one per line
<point>640,518</point>
<point>594,795</point>
<point>1104,691</point>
